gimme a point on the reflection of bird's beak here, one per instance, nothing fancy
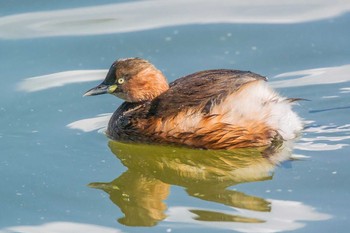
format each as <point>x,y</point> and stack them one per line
<point>99,90</point>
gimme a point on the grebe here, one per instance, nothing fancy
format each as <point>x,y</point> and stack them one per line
<point>211,109</point>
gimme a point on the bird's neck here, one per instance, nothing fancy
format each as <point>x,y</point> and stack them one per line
<point>149,84</point>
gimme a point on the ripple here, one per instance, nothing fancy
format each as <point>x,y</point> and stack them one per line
<point>146,15</point>
<point>61,227</point>
<point>284,216</point>
<point>325,142</point>
<point>92,124</point>
<point>345,90</point>
<point>44,82</point>
<point>326,75</point>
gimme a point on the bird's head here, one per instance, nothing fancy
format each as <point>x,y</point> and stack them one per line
<point>132,79</point>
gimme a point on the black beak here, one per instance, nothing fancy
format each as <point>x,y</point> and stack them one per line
<point>103,88</point>
<point>99,90</point>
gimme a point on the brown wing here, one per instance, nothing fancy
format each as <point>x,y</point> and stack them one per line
<point>203,89</point>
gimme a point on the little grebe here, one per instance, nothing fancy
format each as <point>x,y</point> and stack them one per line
<point>212,109</point>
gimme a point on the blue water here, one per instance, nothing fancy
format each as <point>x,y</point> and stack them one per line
<point>60,172</point>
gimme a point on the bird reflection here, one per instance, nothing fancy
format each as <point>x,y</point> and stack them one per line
<point>140,192</point>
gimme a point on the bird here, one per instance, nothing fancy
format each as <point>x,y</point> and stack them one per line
<point>219,109</point>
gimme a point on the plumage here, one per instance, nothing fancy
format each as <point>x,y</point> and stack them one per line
<point>212,109</point>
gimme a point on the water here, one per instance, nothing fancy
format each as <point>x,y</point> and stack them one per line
<point>60,173</point>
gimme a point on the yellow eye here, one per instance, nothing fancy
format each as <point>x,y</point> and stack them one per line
<point>121,81</point>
